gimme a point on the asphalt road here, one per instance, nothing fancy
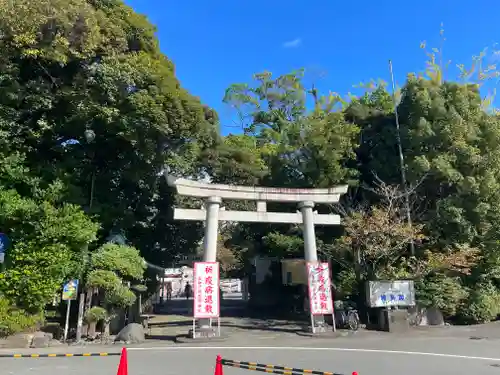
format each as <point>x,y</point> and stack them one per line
<point>365,359</point>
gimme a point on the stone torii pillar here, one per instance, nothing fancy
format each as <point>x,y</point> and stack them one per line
<point>215,193</point>
<point>212,209</point>
<point>310,251</point>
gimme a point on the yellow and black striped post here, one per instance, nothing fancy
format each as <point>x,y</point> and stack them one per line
<point>273,369</point>
<point>55,355</point>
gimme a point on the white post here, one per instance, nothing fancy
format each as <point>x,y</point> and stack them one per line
<point>310,251</point>
<point>245,289</point>
<point>66,325</point>
<point>79,326</point>
<point>212,206</point>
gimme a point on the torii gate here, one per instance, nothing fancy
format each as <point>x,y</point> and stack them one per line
<point>212,214</point>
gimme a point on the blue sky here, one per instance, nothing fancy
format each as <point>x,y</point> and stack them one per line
<point>216,43</point>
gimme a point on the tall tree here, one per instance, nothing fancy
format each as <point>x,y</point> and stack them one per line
<point>455,143</point>
<point>79,68</point>
<point>48,236</point>
<point>302,140</point>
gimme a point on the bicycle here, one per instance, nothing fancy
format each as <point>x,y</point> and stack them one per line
<point>353,321</point>
<point>415,317</point>
<point>348,317</point>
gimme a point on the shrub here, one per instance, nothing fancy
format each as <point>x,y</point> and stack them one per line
<point>346,284</point>
<point>14,320</point>
<point>96,314</point>
<point>441,291</point>
<point>120,297</point>
<point>482,305</point>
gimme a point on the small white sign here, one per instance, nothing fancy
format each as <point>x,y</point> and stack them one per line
<point>390,293</point>
<point>2,257</point>
<point>206,290</point>
<point>320,291</point>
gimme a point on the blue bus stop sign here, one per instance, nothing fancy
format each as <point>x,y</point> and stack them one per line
<point>4,243</point>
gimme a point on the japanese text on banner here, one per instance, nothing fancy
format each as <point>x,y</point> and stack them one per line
<point>206,290</point>
<point>320,292</point>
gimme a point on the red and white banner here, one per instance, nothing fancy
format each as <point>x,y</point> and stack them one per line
<point>320,291</point>
<point>206,290</point>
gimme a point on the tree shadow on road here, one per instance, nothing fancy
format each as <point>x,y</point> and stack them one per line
<point>235,314</point>
<point>244,324</point>
<point>161,337</point>
<point>268,325</point>
<point>263,327</point>
<point>172,323</point>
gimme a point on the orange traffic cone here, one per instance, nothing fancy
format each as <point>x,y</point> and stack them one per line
<point>218,366</point>
<point>123,366</point>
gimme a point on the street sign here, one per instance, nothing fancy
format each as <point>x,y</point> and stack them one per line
<point>206,301</point>
<point>320,290</point>
<point>70,290</point>
<point>4,244</point>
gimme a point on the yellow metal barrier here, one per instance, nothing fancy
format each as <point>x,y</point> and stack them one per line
<point>271,369</point>
<point>53,355</point>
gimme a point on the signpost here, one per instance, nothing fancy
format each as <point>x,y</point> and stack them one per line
<point>320,291</point>
<point>393,293</point>
<point>70,291</point>
<point>4,245</point>
<point>206,303</point>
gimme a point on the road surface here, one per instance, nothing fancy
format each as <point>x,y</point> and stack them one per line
<point>370,357</point>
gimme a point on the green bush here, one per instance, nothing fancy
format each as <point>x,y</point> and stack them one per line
<point>482,305</point>
<point>14,320</point>
<point>120,297</point>
<point>96,314</point>
<point>441,291</point>
<point>346,284</point>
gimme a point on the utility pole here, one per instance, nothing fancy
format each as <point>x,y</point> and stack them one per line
<point>89,138</point>
<point>401,160</point>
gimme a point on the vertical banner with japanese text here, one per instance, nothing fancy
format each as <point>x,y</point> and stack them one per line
<point>320,291</point>
<point>206,290</point>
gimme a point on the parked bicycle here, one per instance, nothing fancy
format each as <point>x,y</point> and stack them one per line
<point>415,316</point>
<point>347,316</point>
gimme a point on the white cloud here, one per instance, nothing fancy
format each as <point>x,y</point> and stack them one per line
<point>293,43</point>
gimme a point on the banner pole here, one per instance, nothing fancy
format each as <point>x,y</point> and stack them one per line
<point>66,325</point>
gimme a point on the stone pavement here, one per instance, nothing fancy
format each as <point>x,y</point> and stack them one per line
<point>166,327</point>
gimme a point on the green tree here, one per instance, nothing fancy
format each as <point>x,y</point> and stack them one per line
<point>288,144</point>
<point>237,160</point>
<point>449,143</point>
<point>71,67</point>
<point>112,266</point>
<point>377,155</point>
<point>301,146</point>
<point>48,247</point>
<point>454,142</point>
